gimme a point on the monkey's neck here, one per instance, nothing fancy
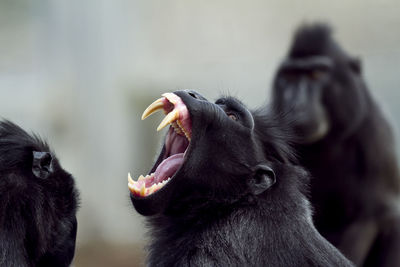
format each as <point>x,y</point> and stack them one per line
<point>254,235</point>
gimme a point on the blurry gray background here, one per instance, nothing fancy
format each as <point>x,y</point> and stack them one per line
<point>80,73</point>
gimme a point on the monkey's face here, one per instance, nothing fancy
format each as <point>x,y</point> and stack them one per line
<point>27,163</point>
<point>322,95</point>
<point>209,150</point>
<point>298,91</point>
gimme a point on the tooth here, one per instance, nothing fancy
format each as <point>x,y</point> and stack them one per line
<point>172,116</point>
<point>177,129</point>
<point>151,190</point>
<point>143,190</point>
<point>178,126</point>
<point>157,188</point>
<point>141,177</point>
<point>179,123</point>
<point>154,107</point>
<point>130,180</point>
<point>133,189</point>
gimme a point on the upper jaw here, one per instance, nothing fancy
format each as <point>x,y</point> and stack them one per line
<point>176,112</point>
<point>174,150</point>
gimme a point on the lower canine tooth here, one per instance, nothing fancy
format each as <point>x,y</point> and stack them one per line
<point>143,190</point>
<point>130,180</point>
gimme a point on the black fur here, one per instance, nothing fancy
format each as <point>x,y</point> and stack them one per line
<point>346,143</point>
<point>38,203</point>
<point>232,203</point>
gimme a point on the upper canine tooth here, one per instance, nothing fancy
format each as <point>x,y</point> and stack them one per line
<point>154,107</point>
<point>172,116</point>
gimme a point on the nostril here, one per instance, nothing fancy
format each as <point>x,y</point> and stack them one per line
<point>192,95</point>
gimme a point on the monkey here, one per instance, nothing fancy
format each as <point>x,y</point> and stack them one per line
<point>223,191</point>
<point>346,143</point>
<point>38,202</point>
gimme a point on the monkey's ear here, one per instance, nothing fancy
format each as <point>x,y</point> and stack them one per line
<point>42,165</point>
<point>263,178</point>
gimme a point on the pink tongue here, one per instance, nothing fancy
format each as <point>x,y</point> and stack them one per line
<point>168,167</point>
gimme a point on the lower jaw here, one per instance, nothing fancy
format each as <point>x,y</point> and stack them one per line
<point>151,183</point>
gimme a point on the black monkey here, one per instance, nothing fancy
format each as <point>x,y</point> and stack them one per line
<point>38,203</point>
<point>347,145</point>
<point>215,198</point>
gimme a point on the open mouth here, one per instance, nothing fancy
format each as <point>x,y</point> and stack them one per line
<point>176,143</point>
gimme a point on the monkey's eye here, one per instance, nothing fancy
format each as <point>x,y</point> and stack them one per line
<point>316,74</point>
<point>229,110</point>
<point>232,116</point>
